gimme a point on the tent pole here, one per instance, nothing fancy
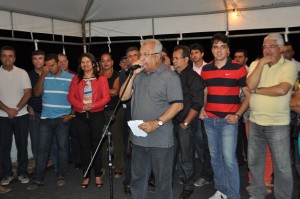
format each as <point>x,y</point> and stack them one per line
<point>83,36</point>
<point>12,25</point>
<point>227,17</point>
<point>52,23</point>
<point>153,31</point>
<point>90,34</point>
<point>286,37</point>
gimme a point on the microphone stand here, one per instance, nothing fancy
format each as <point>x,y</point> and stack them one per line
<point>108,133</point>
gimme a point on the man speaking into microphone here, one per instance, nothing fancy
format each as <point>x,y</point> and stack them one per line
<point>156,97</point>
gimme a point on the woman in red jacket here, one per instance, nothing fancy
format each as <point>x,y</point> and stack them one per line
<point>88,94</point>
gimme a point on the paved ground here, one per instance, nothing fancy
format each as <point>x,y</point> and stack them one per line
<point>72,188</point>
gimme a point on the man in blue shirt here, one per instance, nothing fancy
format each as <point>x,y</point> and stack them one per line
<point>53,85</point>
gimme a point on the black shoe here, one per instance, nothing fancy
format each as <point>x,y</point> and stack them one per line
<point>34,186</point>
<point>127,189</point>
<point>185,194</point>
<point>77,166</point>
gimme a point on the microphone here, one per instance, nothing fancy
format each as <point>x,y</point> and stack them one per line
<point>132,68</point>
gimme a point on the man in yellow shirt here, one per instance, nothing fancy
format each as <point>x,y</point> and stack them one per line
<point>270,80</point>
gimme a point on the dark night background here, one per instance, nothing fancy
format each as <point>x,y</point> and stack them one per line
<point>23,49</point>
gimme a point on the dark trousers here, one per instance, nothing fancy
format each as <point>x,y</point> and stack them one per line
<point>202,149</point>
<point>145,159</point>
<point>183,139</point>
<point>34,122</point>
<point>117,137</point>
<point>74,143</point>
<point>242,143</point>
<point>18,127</point>
<point>296,157</point>
<point>1,170</point>
<point>126,148</point>
<point>89,134</point>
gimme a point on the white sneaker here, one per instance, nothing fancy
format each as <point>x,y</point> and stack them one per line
<point>23,179</point>
<point>218,195</point>
<point>6,180</point>
<point>60,181</point>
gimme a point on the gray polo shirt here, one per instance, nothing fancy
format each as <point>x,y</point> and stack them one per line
<point>152,95</point>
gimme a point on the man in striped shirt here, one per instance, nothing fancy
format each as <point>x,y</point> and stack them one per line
<point>224,78</point>
<point>53,85</point>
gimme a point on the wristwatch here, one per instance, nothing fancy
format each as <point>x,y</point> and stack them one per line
<point>159,123</point>
<point>237,116</point>
<point>186,124</point>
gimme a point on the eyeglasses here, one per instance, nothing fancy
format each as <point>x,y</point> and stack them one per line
<point>270,47</point>
<point>132,56</point>
<point>148,54</point>
<point>7,56</point>
<point>176,58</point>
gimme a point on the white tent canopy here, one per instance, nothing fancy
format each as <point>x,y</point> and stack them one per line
<point>113,18</point>
<point>121,18</point>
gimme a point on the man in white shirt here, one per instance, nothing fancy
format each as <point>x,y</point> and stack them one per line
<point>288,53</point>
<point>196,55</point>
<point>200,137</point>
<point>15,91</point>
<point>241,56</point>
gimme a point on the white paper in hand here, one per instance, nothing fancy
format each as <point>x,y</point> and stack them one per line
<point>133,124</point>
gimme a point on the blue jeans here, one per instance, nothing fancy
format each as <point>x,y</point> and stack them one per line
<point>48,128</point>
<point>160,160</point>
<point>222,139</point>
<point>74,145</point>
<point>202,150</point>
<point>54,153</point>
<point>278,139</point>
<point>34,122</point>
<point>19,127</point>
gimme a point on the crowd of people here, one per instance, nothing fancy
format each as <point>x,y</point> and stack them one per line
<point>223,112</point>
